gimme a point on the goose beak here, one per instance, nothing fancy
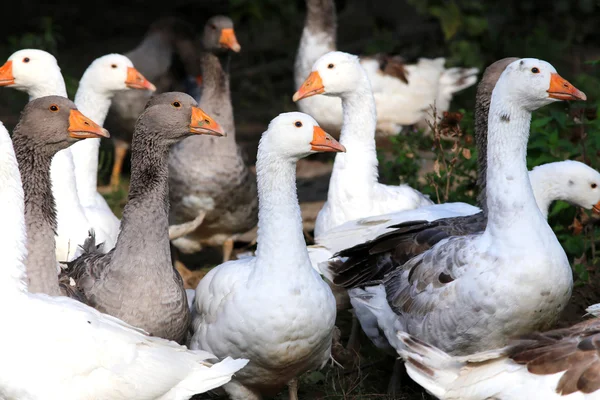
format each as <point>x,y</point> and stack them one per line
<point>202,124</point>
<point>229,41</point>
<point>313,85</point>
<point>6,74</point>
<point>81,127</point>
<point>323,142</point>
<point>135,80</point>
<point>561,89</point>
<point>596,208</point>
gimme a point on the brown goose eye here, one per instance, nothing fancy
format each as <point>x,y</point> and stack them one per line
<point>114,66</point>
<point>26,60</point>
<point>535,70</point>
<point>53,108</point>
<point>176,104</point>
<point>594,186</point>
<point>298,124</point>
<point>213,27</point>
<point>330,66</point>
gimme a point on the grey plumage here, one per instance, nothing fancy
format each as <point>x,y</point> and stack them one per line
<point>209,174</point>
<point>136,281</point>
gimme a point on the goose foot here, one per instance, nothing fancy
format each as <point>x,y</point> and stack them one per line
<point>179,230</point>
<point>227,249</point>
<point>190,278</point>
<point>121,149</point>
<point>293,389</point>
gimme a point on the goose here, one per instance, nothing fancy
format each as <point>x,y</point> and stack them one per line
<point>568,180</point>
<point>37,73</point>
<point>136,281</point>
<point>208,175</point>
<point>557,364</point>
<point>167,39</point>
<point>273,308</point>
<point>82,353</point>
<point>513,277</point>
<point>106,76</point>
<point>404,93</point>
<point>354,191</point>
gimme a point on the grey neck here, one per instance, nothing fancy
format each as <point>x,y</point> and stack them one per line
<point>216,95</point>
<point>144,228</point>
<point>40,215</point>
<point>321,17</point>
<point>482,109</point>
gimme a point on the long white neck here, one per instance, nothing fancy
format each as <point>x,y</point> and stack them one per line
<point>95,105</point>
<point>512,210</point>
<point>13,278</point>
<point>281,245</point>
<point>356,169</point>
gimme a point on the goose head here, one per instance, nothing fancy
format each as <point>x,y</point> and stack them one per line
<point>219,35</point>
<point>295,135</point>
<point>173,116</point>
<point>530,83</point>
<point>54,123</point>
<point>30,70</point>
<point>334,74</point>
<point>112,73</point>
<point>571,181</point>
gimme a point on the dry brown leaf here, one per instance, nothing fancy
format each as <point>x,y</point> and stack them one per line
<point>466,153</point>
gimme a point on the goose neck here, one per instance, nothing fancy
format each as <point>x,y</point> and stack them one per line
<point>510,200</point>
<point>40,216</point>
<point>144,225</point>
<point>95,105</point>
<point>357,167</point>
<point>280,241</point>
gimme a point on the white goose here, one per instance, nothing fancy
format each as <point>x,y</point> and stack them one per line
<point>470,293</point>
<point>272,308</point>
<point>82,354</point>
<point>354,191</point>
<point>105,77</point>
<point>37,73</point>
<point>404,93</point>
<point>561,364</point>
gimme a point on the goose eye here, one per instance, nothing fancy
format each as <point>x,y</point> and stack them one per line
<point>214,28</point>
<point>114,66</point>
<point>26,60</point>
<point>594,186</point>
<point>53,108</point>
<point>298,124</point>
<point>535,70</point>
<point>176,104</point>
<point>330,66</point>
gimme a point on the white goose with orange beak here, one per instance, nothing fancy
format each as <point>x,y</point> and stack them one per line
<point>272,307</point>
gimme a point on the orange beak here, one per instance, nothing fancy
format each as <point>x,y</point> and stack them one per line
<point>81,127</point>
<point>202,124</point>
<point>229,41</point>
<point>6,75</point>
<point>596,208</point>
<point>313,85</point>
<point>323,142</point>
<point>561,89</point>
<point>135,80</point>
